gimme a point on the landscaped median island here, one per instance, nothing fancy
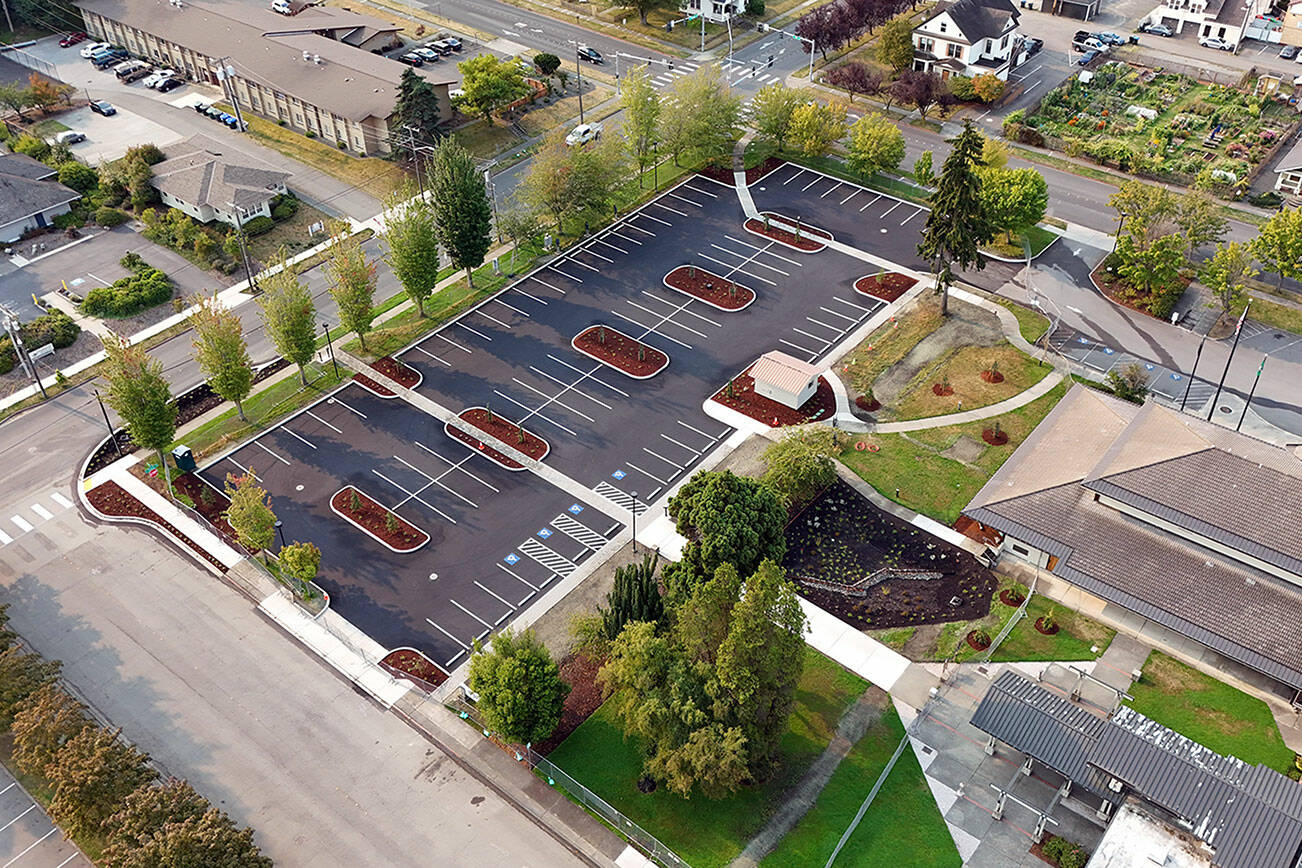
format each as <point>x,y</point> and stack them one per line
<point>753,173</point>
<point>378,522</point>
<point>886,285</point>
<point>394,370</point>
<point>502,429</point>
<point>716,291</point>
<point>410,663</point>
<point>114,501</point>
<point>803,238</point>
<point>617,350</point>
<point>739,394</point>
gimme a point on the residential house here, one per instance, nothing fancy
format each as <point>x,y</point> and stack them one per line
<point>199,179</point>
<point>30,196</point>
<point>313,72</point>
<point>712,10</point>
<point>968,37</point>
<point>1291,34</point>
<point>1225,19</point>
<point>1288,171</point>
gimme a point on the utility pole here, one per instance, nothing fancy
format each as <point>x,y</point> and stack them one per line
<point>1238,329</point>
<point>226,75</point>
<point>578,68</point>
<point>14,329</point>
<point>244,248</point>
<point>415,158</point>
<point>8,20</point>
<point>112,434</point>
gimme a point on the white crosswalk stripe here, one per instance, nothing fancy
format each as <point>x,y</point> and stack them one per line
<point>562,566</point>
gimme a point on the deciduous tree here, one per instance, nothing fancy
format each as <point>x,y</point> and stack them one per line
<point>1014,199</point>
<point>548,185</point>
<point>799,465</point>
<point>300,561</point>
<point>92,774</point>
<point>140,394</point>
<point>772,110</point>
<point>1278,245</point>
<point>876,145</point>
<point>703,115</point>
<point>488,82</point>
<point>922,90</point>
<point>1227,274</point>
<point>45,92</point>
<point>520,224</point>
<point>816,127</point>
<point>958,225</point>
<point>641,103</point>
<point>546,63</point>
<point>7,636</point>
<point>1129,383</point>
<point>923,172</point>
<point>352,283</point>
<point>519,686</point>
<point>211,840</point>
<point>43,723</point>
<point>895,44</point>
<point>988,87</point>
<point>463,216</point>
<point>143,813</point>
<point>855,78</point>
<point>221,351</point>
<point>249,513</point>
<point>411,234</point>
<point>21,675</point>
<point>289,315</point>
<point>1199,217</point>
<point>642,7</point>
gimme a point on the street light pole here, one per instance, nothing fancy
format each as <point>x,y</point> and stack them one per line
<point>633,510</point>
<point>112,436</point>
<point>280,529</point>
<point>325,327</point>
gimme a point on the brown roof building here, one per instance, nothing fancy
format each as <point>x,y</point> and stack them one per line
<point>198,178</point>
<point>1182,523</point>
<point>314,70</point>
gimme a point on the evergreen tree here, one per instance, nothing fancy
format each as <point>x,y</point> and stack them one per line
<point>415,114</point>
<point>463,217</point>
<point>221,352</point>
<point>412,236</point>
<point>290,316</point>
<point>352,284</point>
<point>141,396</point>
<point>958,225</point>
<point>799,466</point>
<point>635,597</point>
<point>92,774</point>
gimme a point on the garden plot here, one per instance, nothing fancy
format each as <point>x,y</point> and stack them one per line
<point>873,570</point>
<point>1160,125</point>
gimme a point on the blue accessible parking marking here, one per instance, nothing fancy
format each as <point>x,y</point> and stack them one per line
<point>575,509</point>
<point>1175,376</point>
<point>544,533</point>
<point>512,559</point>
<point>619,474</point>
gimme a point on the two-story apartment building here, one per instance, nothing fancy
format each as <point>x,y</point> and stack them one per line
<point>314,72</point>
<point>968,37</point>
<point>1224,19</point>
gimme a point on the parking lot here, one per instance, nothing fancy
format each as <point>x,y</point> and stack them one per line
<point>27,837</point>
<point>499,539</point>
<point>109,138</point>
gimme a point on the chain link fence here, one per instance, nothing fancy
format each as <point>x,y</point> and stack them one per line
<point>31,61</point>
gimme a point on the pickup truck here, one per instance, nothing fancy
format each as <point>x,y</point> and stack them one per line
<point>1085,41</point>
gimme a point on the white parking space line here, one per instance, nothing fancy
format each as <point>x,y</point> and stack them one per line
<point>517,578</point>
<point>510,307</point>
<point>890,209</point>
<point>490,318</point>
<point>256,477</point>
<point>685,199</point>
<point>639,228</point>
<point>412,496</point>
<point>817,178</point>
<point>23,524</point>
<point>449,340</point>
<point>851,196</point>
<point>651,330</point>
<point>434,481</point>
<point>449,635</point>
<point>346,407</point>
<point>30,808</point>
<point>696,189</point>
<point>810,335</point>
<point>606,243</point>
<point>66,861</point>
<point>852,304</point>
<point>651,217</point>
<point>793,177</point>
<point>510,606</point>
<point>710,258</point>
<point>534,411</point>
<point>835,313</point>
<point>30,846</point>
<point>560,382</point>
<point>553,399</point>
<point>5,538</point>
<point>41,511</point>
<point>662,458</point>
<point>688,311</point>
<point>426,352</point>
<point>274,455</point>
<point>838,186</point>
<point>297,436</point>
<point>546,284</point>
<point>809,352</point>
<point>667,208</point>
<point>528,295</point>
<point>757,262</point>
<point>911,216</point>
<point>669,319</point>
<point>626,238</point>
<point>473,331</point>
<point>767,251</point>
<point>566,275</point>
<point>456,465</point>
<point>588,250</point>
<point>61,500</point>
<point>584,264</point>
<point>865,205</point>
<point>695,452</point>
<point>645,473</point>
<point>823,324</point>
<point>324,422</point>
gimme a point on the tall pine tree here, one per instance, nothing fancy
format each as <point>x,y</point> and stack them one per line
<point>958,225</point>
<point>462,214</point>
<point>416,116</point>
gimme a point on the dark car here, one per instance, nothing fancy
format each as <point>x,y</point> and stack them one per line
<point>71,39</point>
<point>103,107</point>
<point>1087,58</point>
<point>411,59</point>
<point>1032,45</point>
<point>170,84</point>
<point>108,58</point>
<point>428,55</point>
<point>453,43</point>
<point>591,55</point>
<point>442,46</point>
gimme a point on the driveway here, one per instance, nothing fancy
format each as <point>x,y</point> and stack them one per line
<point>109,138</point>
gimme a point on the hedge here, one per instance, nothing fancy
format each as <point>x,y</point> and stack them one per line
<point>144,289</point>
<point>56,327</point>
<point>110,217</point>
<point>258,225</point>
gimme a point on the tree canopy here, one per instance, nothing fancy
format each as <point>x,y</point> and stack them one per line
<point>519,686</point>
<point>489,82</point>
<point>221,351</point>
<point>463,217</point>
<point>289,315</point>
<point>799,466</point>
<point>958,225</point>
<point>876,145</point>
<point>411,234</point>
<point>140,394</point>
<point>416,117</point>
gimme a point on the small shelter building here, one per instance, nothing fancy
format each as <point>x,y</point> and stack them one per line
<point>785,379</point>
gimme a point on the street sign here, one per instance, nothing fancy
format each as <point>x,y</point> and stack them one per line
<point>41,352</point>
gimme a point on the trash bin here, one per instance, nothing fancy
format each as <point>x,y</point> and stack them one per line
<point>184,459</point>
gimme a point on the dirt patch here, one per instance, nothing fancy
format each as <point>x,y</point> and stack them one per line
<point>888,286</point>
<point>724,174</point>
<point>621,351</point>
<point>580,672</point>
<point>208,501</point>
<point>867,403</point>
<point>1008,598</point>
<point>744,399</point>
<point>378,521</point>
<point>112,499</point>
<point>966,325</point>
<point>709,287</point>
<point>1170,676</point>
<point>965,450</point>
<point>807,240</point>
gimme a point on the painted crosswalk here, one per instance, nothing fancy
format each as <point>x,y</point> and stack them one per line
<point>27,518</point>
<point>610,492</point>
<point>561,566</point>
<point>585,535</point>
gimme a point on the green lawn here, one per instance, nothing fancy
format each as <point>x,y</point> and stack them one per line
<point>47,129</point>
<point>1038,237</point>
<point>1076,635</point>
<point>1269,313</point>
<point>928,482</point>
<point>1221,717</point>
<point>1030,323</point>
<point>903,819</point>
<point>962,368</point>
<point>702,831</point>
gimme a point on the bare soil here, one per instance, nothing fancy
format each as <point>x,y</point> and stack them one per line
<point>802,242</point>
<point>112,499</point>
<point>503,429</point>
<point>710,287</point>
<point>618,349</point>
<point>413,664</point>
<point>966,325</point>
<point>888,286</point>
<point>397,371</point>
<point>580,672</point>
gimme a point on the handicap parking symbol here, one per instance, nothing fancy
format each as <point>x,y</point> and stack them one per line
<point>575,509</point>
<point>619,474</point>
<point>1108,350</point>
<point>1175,376</point>
<point>1148,367</point>
<point>544,533</point>
<point>512,559</point>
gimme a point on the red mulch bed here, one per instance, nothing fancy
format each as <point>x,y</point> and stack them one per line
<point>888,286</point>
<point>992,376</point>
<point>979,644</point>
<point>211,508</point>
<point>112,499</point>
<point>744,400</point>
<point>867,404</point>
<point>975,530</point>
<point>368,383</point>
<point>621,351</point>
<point>406,537</point>
<point>503,429</point>
<point>1039,626</point>
<point>710,287</point>
<point>724,173</point>
<point>1008,599</point>
<point>580,672</point>
<point>397,371</point>
<point>994,439</point>
<point>1112,287</point>
<point>405,662</point>
<point>941,389</point>
<point>804,242</point>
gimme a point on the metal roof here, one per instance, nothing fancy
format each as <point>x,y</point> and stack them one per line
<point>785,372</point>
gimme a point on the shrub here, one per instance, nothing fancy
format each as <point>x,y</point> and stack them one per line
<point>56,327</point>
<point>132,261</point>
<point>310,134</point>
<point>110,217</point>
<point>755,8</point>
<point>284,207</point>
<point>78,176</point>
<point>145,288</point>
<point>259,225</point>
<point>341,145</point>
<point>149,153</point>
<point>961,86</point>
<point>37,149</point>
<point>71,220</point>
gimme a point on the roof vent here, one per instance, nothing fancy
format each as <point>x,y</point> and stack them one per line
<point>307,57</point>
<point>316,58</point>
<point>1114,784</point>
<point>1250,580</point>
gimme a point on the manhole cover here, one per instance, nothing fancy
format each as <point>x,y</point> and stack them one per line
<point>1225,409</point>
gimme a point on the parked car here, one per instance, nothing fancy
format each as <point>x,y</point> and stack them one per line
<point>71,39</point>
<point>442,46</point>
<point>1288,52</point>
<point>582,134</point>
<point>1087,58</point>
<point>157,77</point>
<point>109,58</point>
<point>1089,43</point>
<point>1032,45</point>
<point>136,74</point>
<point>1215,42</point>
<point>428,55</point>
<point>103,107</point>
<point>1109,38</point>
<point>453,43</point>
<point>69,137</point>
<point>282,6</point>
<point>170,84</point>
<point>411,59</point>
<point>591,55</point>
<point>1298,59</point>
<point>130,68</point>
<point>88,50</point>
<point>1156,29</point>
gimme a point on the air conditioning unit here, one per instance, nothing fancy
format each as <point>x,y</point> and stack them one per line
<point>307,57</point>
<point>1115,785</point>
<point>316,58</point>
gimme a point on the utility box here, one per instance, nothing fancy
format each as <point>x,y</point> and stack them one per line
<point>184,459</point>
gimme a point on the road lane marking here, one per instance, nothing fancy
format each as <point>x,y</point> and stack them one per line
<point>42,511</point>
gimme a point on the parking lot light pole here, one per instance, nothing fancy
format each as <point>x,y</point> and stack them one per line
<point>280,529</point>
<point>107,423</point>
<point>633,510</point>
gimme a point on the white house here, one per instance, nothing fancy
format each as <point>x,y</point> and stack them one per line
<point>1224,19</point>
<point>1288,171</point>
<point>199,180</point>
<point>30,197</point>
<point>712,10</point>
<point>784,379</point>
<point>967,37</point>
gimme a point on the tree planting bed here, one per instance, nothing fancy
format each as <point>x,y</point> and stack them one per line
<point>208,501</point>
<point>706,286</point>
<point>580,672</point>
<point>373,387</point>
<point>408,662</point>
<point>724,175</point>
<point>615,349</point>
<point>841,538</point>
<point>503,429</point>
<point>112,499</point>
<point>744,399</point>
<point>804,243</point>
<point>398,372</point>
<point>888,286</point>
<point>372,519</point>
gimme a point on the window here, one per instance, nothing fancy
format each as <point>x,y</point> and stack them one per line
<point>990,44</point>
<point>943,27</point>
<point>926,44</point>
<point>1021,550</point>
<point>1003,43</point>
<point>955,51</point>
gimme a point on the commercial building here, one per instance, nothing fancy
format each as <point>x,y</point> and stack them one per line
<point>1224,19</point>
<point>196,178</point>
<point>314,71</point>
<point>967,37</point>
<point>30,197</point>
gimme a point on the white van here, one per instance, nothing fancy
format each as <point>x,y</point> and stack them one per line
<point>282,6</point>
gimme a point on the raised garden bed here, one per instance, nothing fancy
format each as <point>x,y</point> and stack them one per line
<point>841,539</point>
<point>398,372</point>
<point>806,242</point>
<point>744,399</point>
<point>372,519</point>
<point>410,663</point>
<point>724,175</point>
<point>706,286</point>
<point>504,430</point>
<point>208,501</point>
<point>112,499</point>
<point>1046,630</point>
<point>617,350</point>
<point>888,286</point>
